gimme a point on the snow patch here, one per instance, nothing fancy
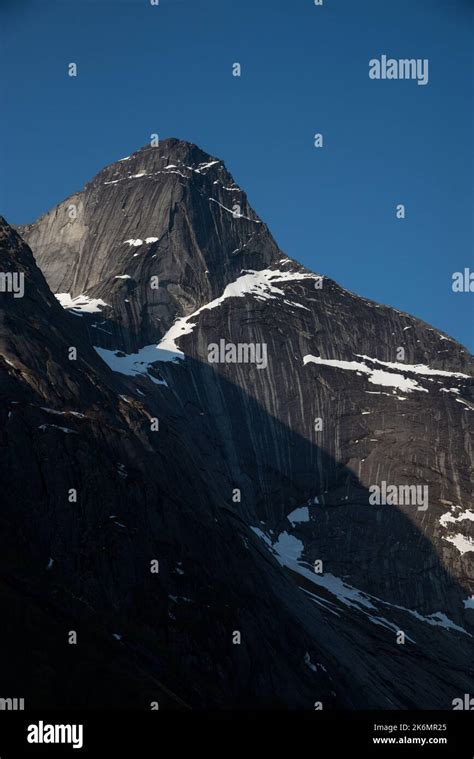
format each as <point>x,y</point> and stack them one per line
<point>415,368</point>
<point>448,516</point>
<point>288,547</point>
<point>461,542</point>
<point>299,515</point>
<point>203,166</point>
<point>375,376</point>
<point>288,554</point>
<point>133,363</point>
<point>138,241</point>
<point>309,663</point>
<point>459,400</point>
<point>81,303</point>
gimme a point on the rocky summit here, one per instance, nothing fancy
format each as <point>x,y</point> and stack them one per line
<point>228,482</point>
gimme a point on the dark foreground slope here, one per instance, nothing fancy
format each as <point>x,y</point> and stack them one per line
<point>260,470</point>
<point>83,565</point>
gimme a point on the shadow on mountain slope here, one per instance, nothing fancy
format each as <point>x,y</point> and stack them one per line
<point>84,566</point>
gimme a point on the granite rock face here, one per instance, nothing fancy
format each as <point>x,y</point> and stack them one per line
<point>163,212</point>
<point>283,402</point>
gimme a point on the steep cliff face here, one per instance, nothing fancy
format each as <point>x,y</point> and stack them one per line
<point>169,212</point>
<point>284,402</point>
<point>332,414</point>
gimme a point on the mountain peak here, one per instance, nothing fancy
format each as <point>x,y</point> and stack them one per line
<point>167,155</point>
<point>177,148</point>
<point>169,213</point>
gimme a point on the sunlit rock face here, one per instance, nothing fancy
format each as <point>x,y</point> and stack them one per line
<point>171,212</point>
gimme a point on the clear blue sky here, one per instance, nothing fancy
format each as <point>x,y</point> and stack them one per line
<point>168,69</point>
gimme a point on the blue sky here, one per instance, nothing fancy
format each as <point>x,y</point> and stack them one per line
<point>168,70</point>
